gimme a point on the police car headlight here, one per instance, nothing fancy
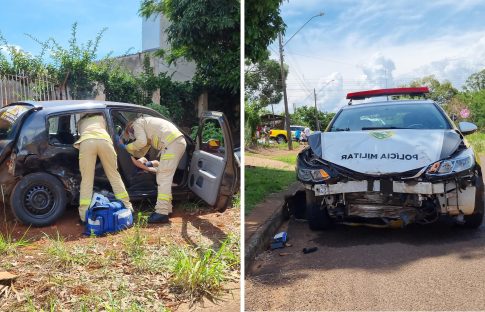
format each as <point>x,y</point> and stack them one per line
<point>314,175</point>
<point>462,162</point>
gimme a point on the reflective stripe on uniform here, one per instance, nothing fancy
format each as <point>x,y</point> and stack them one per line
<point>166,197</point>
<point>155,142</point>
<point>121,195</point>
<point>167,156</point>
<point>84,201</point>
<point>172,136</point>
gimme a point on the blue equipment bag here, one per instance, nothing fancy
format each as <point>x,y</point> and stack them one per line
<point>108,218</point>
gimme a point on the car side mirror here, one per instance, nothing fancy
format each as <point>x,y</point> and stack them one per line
<point>466,127</point>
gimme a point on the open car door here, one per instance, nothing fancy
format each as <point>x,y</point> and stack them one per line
<point>213,170</point>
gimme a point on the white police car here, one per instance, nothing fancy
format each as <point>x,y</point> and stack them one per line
<point>391,163</point>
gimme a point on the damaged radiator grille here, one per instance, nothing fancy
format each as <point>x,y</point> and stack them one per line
<point>377,205</point>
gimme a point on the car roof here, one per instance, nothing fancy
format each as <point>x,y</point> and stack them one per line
<point>67,105</point>
<point>395,102</point>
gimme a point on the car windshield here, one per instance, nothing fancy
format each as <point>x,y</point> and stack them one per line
<point>8,117</point>
<point>392,116</point>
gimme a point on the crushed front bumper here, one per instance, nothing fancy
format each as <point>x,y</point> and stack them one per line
<point>453,198</point>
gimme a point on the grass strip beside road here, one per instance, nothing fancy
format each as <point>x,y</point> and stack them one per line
<point>261,181</point>
<point>477,140</point>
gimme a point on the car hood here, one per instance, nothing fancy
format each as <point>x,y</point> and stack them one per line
<point>385,151</point>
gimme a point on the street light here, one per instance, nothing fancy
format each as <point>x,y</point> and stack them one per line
<point>316,109</point>
<point>283,80</point>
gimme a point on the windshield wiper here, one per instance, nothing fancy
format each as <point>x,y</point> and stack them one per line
<point>340,129</point>
<point>381,128</point>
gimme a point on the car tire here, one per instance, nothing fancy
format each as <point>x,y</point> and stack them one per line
<point>316,214</point>
<point>38,199</point>
<point>280,139</point>
<point>474,220</point>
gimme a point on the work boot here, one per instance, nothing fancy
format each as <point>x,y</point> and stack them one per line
<point>158,218</point>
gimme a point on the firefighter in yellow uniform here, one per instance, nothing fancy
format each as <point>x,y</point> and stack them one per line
<point>163,136</point>
<point>95,142</point>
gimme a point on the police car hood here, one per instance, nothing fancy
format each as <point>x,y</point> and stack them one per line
<point>384,151</point>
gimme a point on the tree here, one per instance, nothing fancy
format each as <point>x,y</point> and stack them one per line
<point>475,82</point>
<point>262,25</point>
<point>306,116</point>
<point>206,32</point>
<point>263,83</point>
<point>440,92</point>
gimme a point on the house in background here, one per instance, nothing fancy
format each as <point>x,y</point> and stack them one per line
<point>154,38</point>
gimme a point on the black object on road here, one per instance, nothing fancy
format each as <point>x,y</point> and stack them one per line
<point>309,250</point>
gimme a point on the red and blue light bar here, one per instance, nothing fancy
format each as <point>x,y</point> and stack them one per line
<point>360,95</point>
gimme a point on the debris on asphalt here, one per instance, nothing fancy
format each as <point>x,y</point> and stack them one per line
<point>288,245</point>
<point>279,240</point>
<point>309,249</point>
<point>282,254</point>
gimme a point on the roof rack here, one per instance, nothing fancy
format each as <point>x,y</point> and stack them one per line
<point>360,95</point>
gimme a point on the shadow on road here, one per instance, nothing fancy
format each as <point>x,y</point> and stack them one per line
<point>374,249</point>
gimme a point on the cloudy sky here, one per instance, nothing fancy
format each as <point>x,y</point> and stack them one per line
<point>54,18</point>
<point>369,44</point>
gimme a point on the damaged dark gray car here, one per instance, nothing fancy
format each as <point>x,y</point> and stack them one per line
<point>391,163</point>
<point>39,167</point>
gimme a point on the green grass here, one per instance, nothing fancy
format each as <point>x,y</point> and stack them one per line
<point>284,146</point>
<point>477,140</point>
<point>9,245</point>
<point>262,181</point>
<point>289,159</point>
<point>57,248</point>
<point>200,272</point>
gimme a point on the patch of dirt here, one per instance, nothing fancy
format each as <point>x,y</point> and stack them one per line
<point>272,151</point>
<point>97,268</point>
<point>265,162</point>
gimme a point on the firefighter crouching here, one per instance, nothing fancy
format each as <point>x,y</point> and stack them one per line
<point>95,142</point>
<point>163,136</point>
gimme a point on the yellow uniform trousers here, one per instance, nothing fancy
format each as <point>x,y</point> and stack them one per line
<point>89,150</point>
<point>169,160</point>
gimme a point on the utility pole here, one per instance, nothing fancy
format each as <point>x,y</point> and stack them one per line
<point>283,79</point>
<point>285,97</point>
<point>316,110</point>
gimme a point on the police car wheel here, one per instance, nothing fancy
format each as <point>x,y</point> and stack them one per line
<point>474,220</point>
<point>38,199</point>
<point>317,216</point>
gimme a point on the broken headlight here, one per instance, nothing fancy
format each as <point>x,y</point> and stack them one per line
<point>313,175</point>
<point>462,162</point>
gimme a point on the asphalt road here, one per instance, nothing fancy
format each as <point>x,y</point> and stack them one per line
<point>437,267</point>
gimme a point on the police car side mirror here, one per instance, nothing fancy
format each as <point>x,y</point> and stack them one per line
<point>467,127</point>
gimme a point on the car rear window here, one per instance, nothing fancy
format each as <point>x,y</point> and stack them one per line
<point>8,118</point>
<point>392,116</point>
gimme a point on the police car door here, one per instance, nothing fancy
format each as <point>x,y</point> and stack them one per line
<point>213,170</point>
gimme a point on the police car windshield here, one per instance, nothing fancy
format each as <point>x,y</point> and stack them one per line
<point>392,116</point>
<point>8,118</point>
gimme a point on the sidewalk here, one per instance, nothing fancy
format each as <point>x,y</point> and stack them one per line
<point>266,217</point>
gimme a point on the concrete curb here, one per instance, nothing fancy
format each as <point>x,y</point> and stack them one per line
<point>261,237</point>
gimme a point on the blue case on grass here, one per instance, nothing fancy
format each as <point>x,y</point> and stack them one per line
<point>108,218</point>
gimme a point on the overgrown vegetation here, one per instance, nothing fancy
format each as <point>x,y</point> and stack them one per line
<point>9,245</point>
<point>200,272</point>
<point>77,69</point>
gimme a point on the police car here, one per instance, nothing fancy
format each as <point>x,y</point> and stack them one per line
<point>391,163</point>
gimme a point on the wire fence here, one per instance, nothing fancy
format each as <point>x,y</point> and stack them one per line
<point>21,86</point>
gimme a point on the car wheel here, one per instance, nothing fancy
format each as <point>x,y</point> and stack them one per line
<point>316,214</point>
<point>474,220</point>
<point>38,199</point>
<point>280,139</point>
